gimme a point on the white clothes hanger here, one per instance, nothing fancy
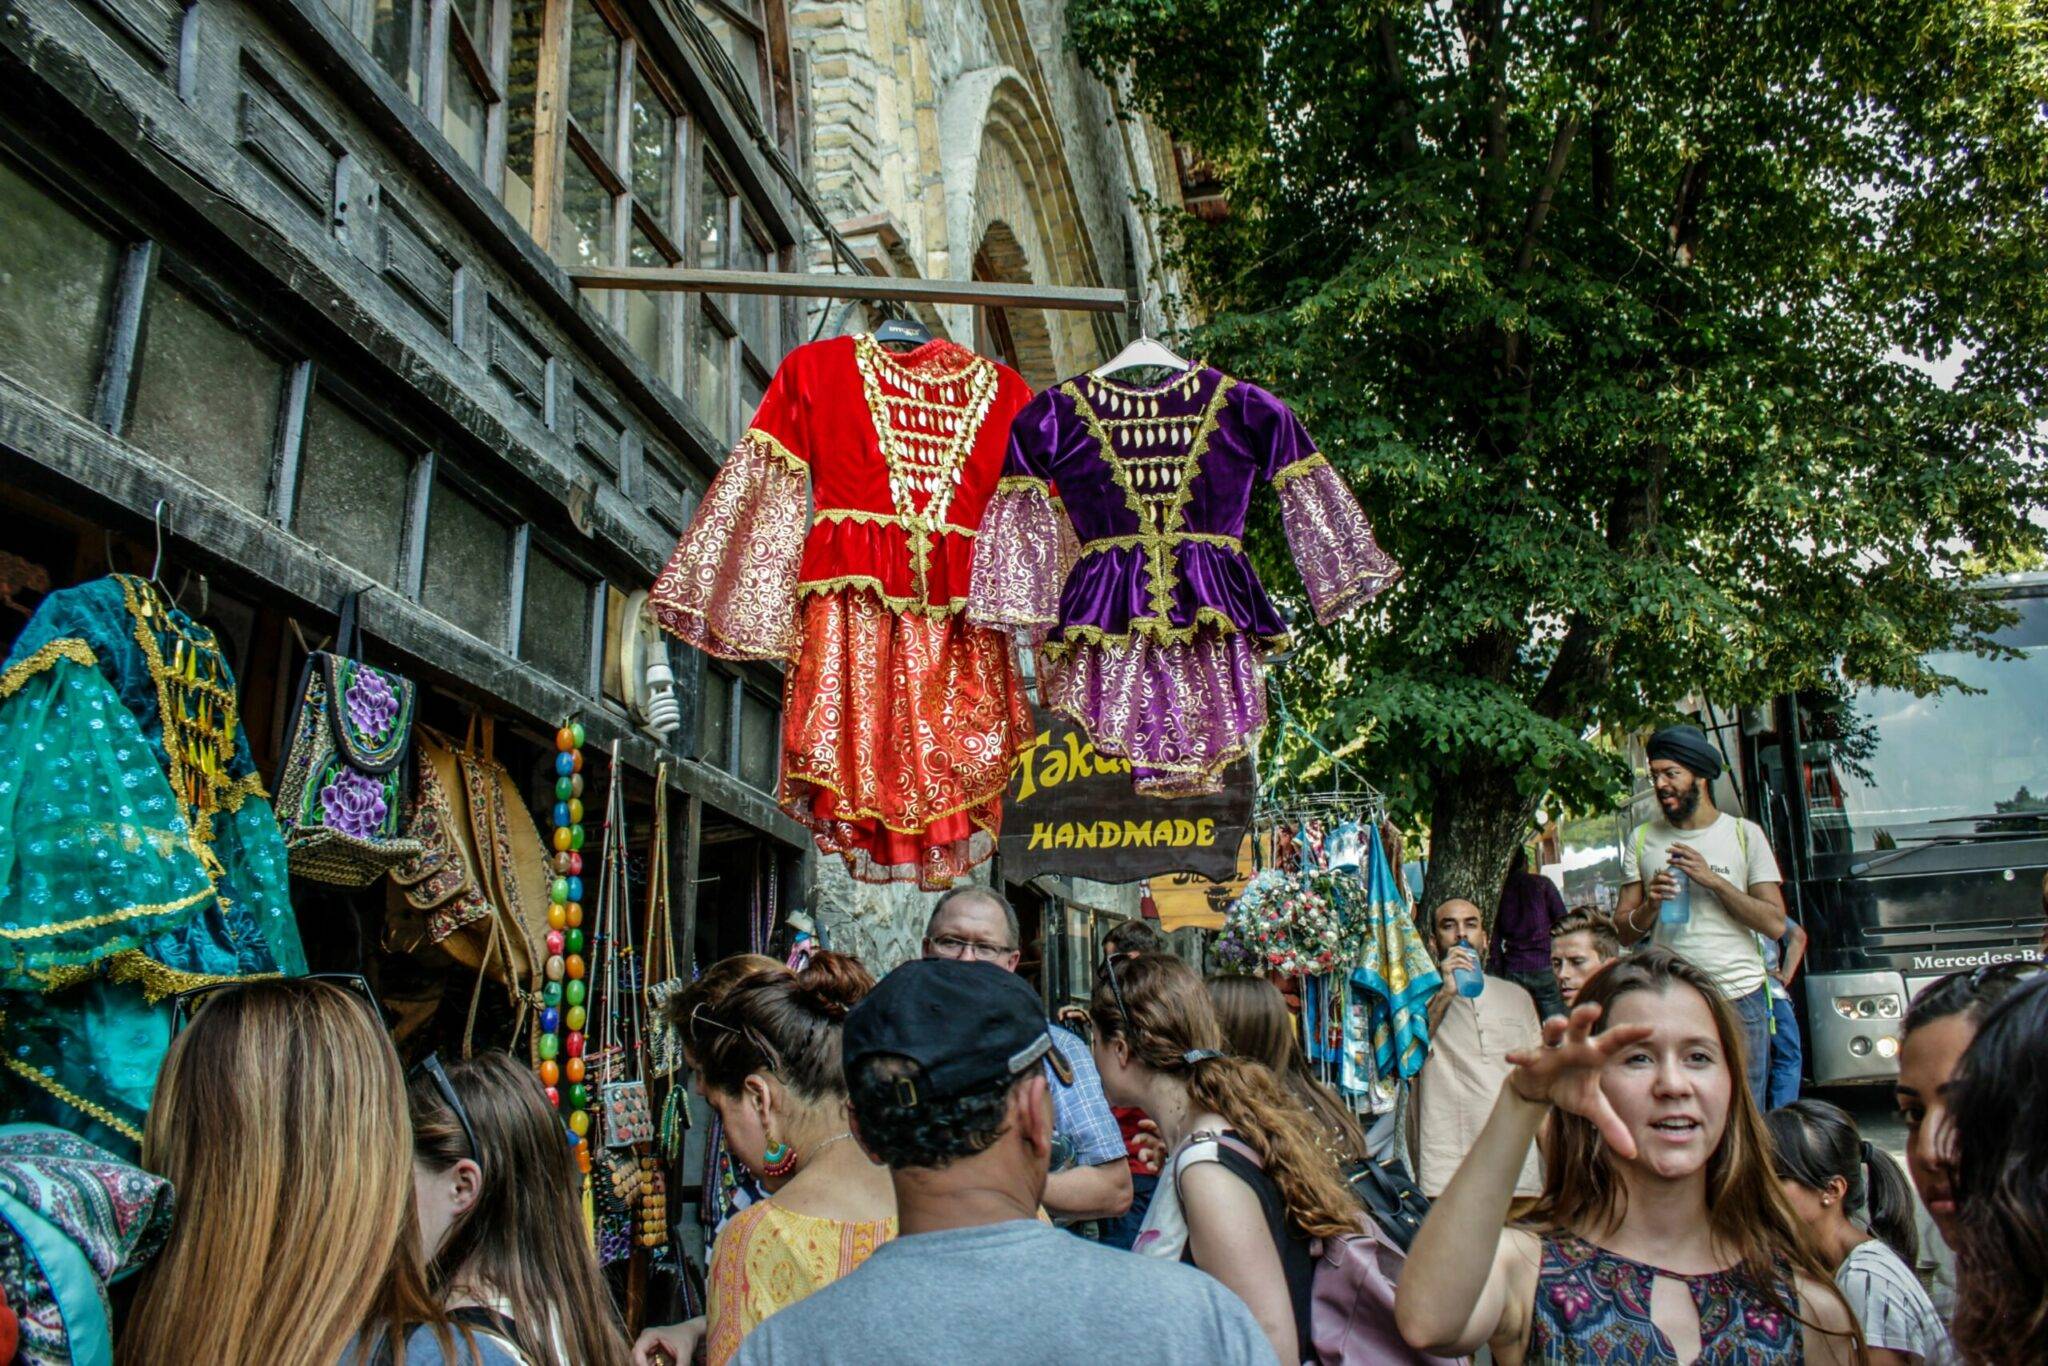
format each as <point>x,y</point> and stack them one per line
<point>1140,354</point>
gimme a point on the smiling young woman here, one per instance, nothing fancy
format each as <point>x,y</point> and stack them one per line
<point>1661,1227</point>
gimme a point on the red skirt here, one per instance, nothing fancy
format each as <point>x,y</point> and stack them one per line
<point>897,736</point>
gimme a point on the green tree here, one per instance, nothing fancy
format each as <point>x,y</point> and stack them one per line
<point>1605,309</point>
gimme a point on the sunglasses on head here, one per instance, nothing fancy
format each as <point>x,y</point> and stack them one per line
<point>1107,970</point>
<point>430,1067</point>
<point>186,1004</point>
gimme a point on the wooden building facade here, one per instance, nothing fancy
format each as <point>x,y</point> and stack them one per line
<point>296,271</point>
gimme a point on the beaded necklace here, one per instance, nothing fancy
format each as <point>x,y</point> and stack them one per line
<point>564,1009</point>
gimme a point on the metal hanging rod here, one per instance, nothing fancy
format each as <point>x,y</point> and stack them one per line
<point>676,279</point>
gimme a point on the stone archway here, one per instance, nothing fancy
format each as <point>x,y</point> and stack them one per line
<point>1019,336</point>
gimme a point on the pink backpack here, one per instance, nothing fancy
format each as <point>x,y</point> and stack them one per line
<point>1351,1311</point>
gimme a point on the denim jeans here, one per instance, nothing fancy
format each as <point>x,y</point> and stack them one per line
<point>1754,1011</point>
<point>1122,1231</point>
<point>1786,1054</point>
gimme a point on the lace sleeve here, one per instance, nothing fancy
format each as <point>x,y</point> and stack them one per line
<point>1340,562</point>
<point>1026,545</point>
<point>730,587</point>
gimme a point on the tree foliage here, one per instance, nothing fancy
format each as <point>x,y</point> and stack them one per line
<point>1619,317</point>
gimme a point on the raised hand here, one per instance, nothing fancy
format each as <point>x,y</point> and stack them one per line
<point>1565,1072</point>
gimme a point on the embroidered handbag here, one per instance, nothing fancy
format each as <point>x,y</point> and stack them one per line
<point>341,793</point>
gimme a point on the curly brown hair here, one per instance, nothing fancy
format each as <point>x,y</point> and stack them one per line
<point>1170,1016</point>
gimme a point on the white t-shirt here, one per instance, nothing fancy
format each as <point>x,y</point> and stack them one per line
<point>1715,941</point>
<point>1890,1304</point>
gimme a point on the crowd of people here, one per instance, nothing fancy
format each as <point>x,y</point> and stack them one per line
<point>942,1174</point>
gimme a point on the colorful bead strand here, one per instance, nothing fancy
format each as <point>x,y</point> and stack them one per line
<point>564,1011</point>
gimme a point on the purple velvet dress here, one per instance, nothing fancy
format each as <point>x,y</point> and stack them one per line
<point>1114,543</point>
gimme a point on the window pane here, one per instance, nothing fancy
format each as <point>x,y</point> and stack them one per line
<point>654,144</point>
<point>758,742</point>
<point>594,77</point>
<point>56,285</point>
<point>646,312</point>
<point>756,311</point>
<point>752,390</point>
<point>469,554</point>
<point>714,376</point>
<point>476,14</point>
<point>739,42</point>
<point>554,632</point>
<point>462,118</point>
<point>714,211</point>
<point>522,81</point>
<point>352,490</point>
<point>398,40</point>
<point>714,717</point>
<point>206,399</point>
<point>583,232</point>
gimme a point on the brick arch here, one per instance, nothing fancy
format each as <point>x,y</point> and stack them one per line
<point>1005,165</point>
<point>1007,262</point>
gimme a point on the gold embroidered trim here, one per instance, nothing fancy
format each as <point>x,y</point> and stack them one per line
<point>1213,769</point>
<point>1306,465</point>
<point>783,454</point>
<point>75,1101</point>
<point>71,648</point>
<point>950,440</point>
<point>247,786</point>
<point>143,605</point>
<point>863,814</point>
<point>909,524</point>
<point>93,922</point>
<point>1156,538</point>
<point>1147,628</point>
<point>817,588</point>
<point>1108,543</point>
<point>1014,483</point>
<point>134,967</point>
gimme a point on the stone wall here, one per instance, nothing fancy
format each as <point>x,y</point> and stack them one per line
<point>945,129</point>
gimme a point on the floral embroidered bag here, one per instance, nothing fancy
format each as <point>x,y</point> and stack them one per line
<point>341,794</point>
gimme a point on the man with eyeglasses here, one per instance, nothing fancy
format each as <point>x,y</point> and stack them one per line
<point>973,924</point>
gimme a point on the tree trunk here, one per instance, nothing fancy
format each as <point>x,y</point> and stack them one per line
<point>1479,817</point>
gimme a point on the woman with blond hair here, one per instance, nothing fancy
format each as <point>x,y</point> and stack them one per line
<point>1661,1235</point>
<point>279,1118</point>
<point>1258,1025</point>
<point>1247,1187</point>
<point>500,1218</point>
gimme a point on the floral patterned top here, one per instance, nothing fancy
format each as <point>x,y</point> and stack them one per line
<point>768,1258</point>
<point>1593,1306</point>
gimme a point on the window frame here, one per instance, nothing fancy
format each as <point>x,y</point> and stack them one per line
<point>612,167</point>
<point>721,311</point>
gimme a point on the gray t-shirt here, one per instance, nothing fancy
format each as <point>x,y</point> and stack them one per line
<point>1017,1292</point>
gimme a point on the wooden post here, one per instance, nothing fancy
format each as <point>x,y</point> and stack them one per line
<point>550,122</point>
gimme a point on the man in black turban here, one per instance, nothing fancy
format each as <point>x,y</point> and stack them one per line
<point>1705,883</point>
<point>1689,748</point>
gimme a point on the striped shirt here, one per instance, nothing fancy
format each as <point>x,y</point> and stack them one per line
<point>1890,1304</point>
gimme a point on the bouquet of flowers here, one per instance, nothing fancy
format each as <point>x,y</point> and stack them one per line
<point>1280,923</point>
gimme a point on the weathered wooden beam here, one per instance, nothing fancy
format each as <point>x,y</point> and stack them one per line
<point>60,455</point>
<point>1072,298</point>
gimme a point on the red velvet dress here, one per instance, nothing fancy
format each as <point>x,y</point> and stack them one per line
<point>899,717</point>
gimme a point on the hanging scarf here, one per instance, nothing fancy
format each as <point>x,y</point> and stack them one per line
<point>1392,971</point>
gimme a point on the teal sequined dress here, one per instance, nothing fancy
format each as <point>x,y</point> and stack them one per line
<point>139,855</point>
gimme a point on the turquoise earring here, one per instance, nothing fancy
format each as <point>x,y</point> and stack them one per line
<point>778,1161</point>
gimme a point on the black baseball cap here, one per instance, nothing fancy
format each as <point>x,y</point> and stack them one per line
<point>968,1026</point>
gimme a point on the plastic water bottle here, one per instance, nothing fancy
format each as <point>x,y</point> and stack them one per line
<point>1678,910</point>
<point>1470,981</point>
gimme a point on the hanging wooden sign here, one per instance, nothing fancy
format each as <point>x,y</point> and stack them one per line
<point>1073,811</point>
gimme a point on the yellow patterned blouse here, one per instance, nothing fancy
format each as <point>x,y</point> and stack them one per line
<point>768,1258</point>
